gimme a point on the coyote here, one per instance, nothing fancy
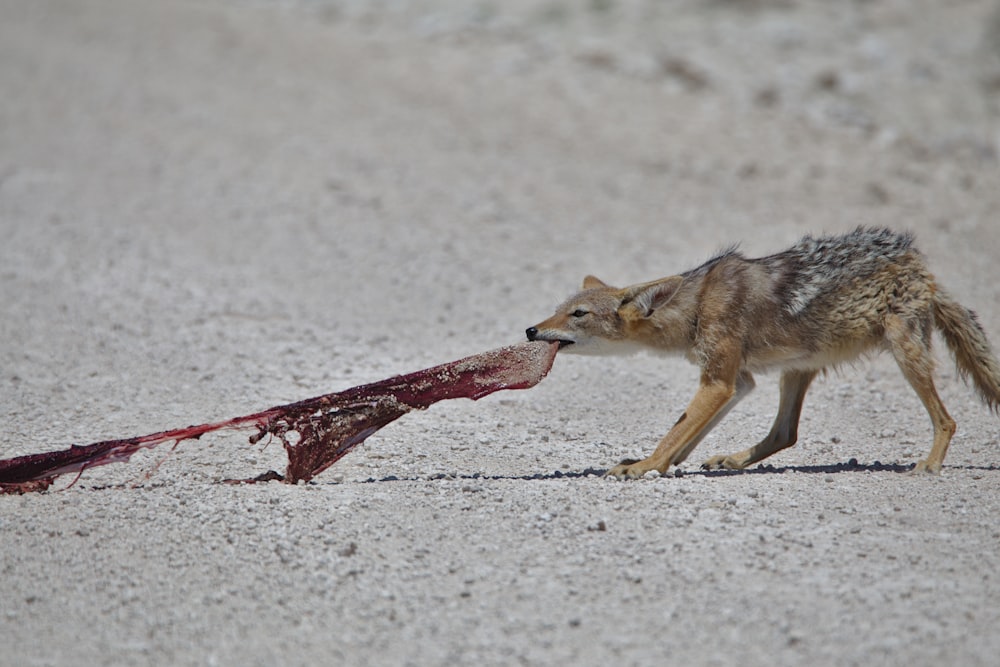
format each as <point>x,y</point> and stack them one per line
<point>822,302</point>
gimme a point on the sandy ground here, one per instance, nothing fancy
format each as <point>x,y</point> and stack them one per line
<point>210,208</point>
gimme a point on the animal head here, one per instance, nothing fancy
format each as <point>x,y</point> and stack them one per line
<point>601,319</point>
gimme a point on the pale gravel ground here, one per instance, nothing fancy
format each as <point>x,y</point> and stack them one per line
<point>210,208</point>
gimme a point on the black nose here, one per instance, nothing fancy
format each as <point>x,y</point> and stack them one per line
<point>532,333</point>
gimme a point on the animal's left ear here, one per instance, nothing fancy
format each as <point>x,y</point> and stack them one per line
<point>591,282</point>
<point>647,297</point>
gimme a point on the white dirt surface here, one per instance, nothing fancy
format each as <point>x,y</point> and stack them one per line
<point>210,208</point>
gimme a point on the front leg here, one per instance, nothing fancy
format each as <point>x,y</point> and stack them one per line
<point>783,433</point>
<point>713,400</point>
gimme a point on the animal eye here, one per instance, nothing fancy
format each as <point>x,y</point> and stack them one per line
<point>579,312</point>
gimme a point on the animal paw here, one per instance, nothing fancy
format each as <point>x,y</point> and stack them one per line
<point>631,469</point>
<point>722,463</point>
<point>926,466</point>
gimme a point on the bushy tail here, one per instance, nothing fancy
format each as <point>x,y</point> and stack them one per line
<point>967,342</point>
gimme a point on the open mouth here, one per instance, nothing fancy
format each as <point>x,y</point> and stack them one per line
<point>564,343</point>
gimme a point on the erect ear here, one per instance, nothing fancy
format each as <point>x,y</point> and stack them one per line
<point>590,282</point>
<point>647,297</point>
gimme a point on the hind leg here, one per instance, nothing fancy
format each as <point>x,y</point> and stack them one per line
<point>783,433</point>
<point>910,347</point>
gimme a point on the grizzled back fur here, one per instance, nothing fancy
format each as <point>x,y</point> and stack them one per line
<point>814,266</point>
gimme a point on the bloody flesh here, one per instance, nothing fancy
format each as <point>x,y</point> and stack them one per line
<point>318,431</point>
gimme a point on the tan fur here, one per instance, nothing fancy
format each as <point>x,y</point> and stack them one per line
<point>822,302</point>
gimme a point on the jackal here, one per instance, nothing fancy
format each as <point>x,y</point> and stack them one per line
<point>822,302</point>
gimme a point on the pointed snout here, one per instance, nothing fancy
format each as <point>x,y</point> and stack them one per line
<point>531,333</point>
